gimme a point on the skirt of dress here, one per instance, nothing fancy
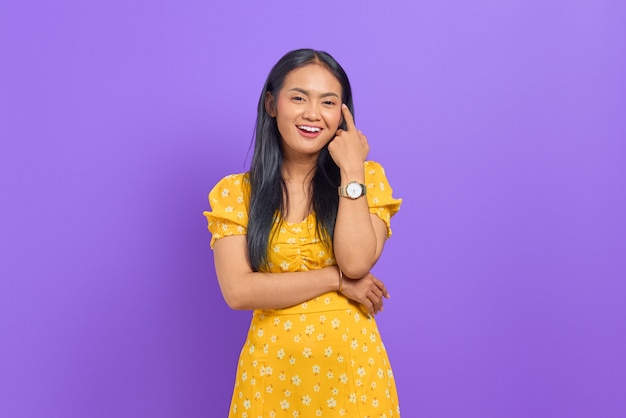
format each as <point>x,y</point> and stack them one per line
<point>322,358</point>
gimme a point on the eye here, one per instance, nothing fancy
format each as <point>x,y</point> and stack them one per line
<point>297,99</point>
<point>329,103</point>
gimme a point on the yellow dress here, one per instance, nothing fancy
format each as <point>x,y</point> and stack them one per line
<point>323,357</point>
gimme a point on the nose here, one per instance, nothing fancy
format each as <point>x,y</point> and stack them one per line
<point>312,111</point>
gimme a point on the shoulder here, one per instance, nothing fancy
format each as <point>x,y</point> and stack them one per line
<point>373,171</point>
<point>233,185</point>
<point>231,190</point>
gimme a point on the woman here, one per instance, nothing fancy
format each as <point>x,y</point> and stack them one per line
<point>294,239</point>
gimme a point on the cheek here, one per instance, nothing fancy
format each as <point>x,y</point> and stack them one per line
<point>334,118</point>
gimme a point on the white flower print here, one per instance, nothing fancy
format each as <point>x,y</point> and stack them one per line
<point>329,374</point>
<point>273,338</point>
<point>287,325</point>
<point>375,403</point>
<point>343,378</point>
<point>370,361</point>
<point>284,404</point>
<point>364,398</point>
<point>334,391</point>
<point>244,376</point>
<point>276,248</point>
<point>269,389</point>
<point>302,317</point>
<point>316,369</point>
<point>352,398</point>
<point>280,354</point>
<point>306,400</point>
<point>296,380</point>
<point>284,266</point>
<point>316,387</point>
<point>335,323</point>
<point>322,319</point>
<point>296,338</point>
<point>307,352</point>
<point>309,329</point>
<point>318,412</point>
<point>246,404</point>
<point>339,358</point>
<point>287,393</point>
<point>331,402</point>
<point>328,351</point>
<point>373,385</point>
<point>354,344</point>
<point>380,373</point>
<point>225,193</point>
<point>361,371</point>
<point>240,199</point>
<point>320,337</point>
<point>260,332</point>
<point>292,360</point>
<point>228,209</point>
<point>382,186</point>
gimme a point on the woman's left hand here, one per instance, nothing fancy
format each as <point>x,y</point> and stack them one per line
<point>349,148</point>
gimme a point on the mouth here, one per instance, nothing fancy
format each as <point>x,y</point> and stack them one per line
<point>309,131</point>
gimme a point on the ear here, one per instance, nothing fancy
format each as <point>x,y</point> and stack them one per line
<point>270,104</point>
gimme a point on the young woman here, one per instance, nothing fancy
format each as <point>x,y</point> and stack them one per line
<point>294,239</point>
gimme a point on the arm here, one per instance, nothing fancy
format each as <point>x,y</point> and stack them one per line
<point>243,288</point>
<point>359,236</point>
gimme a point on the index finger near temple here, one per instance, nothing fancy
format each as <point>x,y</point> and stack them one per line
<point>347,115</point>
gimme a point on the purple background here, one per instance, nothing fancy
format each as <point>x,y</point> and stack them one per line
<point>501,124</point>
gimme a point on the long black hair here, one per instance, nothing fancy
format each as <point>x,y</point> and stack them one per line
<point>267,185</point>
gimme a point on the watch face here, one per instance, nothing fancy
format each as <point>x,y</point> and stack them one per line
<point>354,190</point>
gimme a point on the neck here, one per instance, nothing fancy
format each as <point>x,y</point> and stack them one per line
<point>299,170</point>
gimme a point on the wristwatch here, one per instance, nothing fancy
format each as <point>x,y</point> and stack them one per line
<point>352,190</point>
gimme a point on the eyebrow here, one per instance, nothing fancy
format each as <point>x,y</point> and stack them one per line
<point>303,91</point>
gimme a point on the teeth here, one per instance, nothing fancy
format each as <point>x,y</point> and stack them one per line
<point>309,128</point>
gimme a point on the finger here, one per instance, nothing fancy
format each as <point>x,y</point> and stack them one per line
<point>377,292</point>
<point>347,116</point>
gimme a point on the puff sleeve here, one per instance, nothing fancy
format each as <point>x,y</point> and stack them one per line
<point>379,194</point>
<point>229,212</point>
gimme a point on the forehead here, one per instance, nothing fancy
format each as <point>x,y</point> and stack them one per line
<point>314,78</point>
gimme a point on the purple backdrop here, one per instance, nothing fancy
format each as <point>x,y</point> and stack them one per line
<point>501,124</point>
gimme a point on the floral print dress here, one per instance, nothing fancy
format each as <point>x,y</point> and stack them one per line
<point>320,358</point>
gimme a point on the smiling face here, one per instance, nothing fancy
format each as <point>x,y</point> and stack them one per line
<point>307,111</point>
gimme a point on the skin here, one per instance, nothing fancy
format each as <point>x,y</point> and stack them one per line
<point>311,96</point>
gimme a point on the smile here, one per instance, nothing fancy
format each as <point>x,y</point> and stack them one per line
<point>313,129</point>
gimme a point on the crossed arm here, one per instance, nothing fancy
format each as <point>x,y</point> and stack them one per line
<point>245,289</point>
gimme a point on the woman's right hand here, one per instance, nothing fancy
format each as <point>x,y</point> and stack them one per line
<point>368,291</point>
